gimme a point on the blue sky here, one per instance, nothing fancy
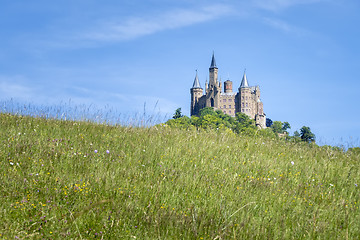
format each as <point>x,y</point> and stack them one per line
<point>304,54</point>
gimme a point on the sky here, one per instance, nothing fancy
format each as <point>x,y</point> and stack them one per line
<point>136,55</point>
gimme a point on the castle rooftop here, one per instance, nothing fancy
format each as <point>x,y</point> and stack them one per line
<point>213,62</point>
<point>196,81</point>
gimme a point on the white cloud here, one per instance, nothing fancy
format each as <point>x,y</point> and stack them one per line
<point>10,88</point>
<point>277,5</point>
<point>284,26</point>
<point>140,26</point>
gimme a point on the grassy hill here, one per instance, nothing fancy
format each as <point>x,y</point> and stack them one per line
<point>84,181</point>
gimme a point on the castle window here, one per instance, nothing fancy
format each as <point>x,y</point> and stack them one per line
<point>246,104</point>
<point>224,106</point>
<point>229,106</point>
<point>224,111</point>
<point>224,100</point>
<point>243,104</point>
<point>230,112</point>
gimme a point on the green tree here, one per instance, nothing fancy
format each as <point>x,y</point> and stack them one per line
<point>306,135</point>
<point>296,134</point>
<point>269,122</point>
<point>243,123</point>
<point>286,126</point>
<point>181,122</point>
<point>177,114</point>
<point>206,111</point>
<point>277,127</point>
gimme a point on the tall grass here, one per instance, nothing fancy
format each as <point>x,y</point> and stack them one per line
<point>83,180</point>
<point>83,112</point>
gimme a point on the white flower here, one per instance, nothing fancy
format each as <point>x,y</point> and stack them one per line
<point>11,163</point>
<point>331,185</point>
<point>292,162</point>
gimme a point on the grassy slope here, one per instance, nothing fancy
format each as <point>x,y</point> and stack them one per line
<point>160,183</point>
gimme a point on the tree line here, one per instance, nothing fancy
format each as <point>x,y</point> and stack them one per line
<point>208,118</point>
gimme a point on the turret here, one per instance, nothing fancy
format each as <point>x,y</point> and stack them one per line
<point>245,103</point>
<point>228,86</point>
<point>196,92</point>
<point>244,81</point>
<point>213,72</point>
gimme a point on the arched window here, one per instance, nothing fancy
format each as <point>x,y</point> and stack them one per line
<point>212,102</point>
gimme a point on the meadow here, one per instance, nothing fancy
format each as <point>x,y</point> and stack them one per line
<point>84,180</point>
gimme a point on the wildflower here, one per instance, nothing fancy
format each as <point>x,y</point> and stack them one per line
<point>11,163</point>
<point>107,151</point>
<point>356,185</point>
<point>292,163</point>
<point>95,151</point>
<point>331,185</point>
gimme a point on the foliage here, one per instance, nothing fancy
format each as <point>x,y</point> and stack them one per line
<point>78,180</point>
<point>279,127</point>
<point>355,150</point>
<point>210,119</point>
<point>286,126</point>
<point>177,114</point>
<point>306,135</point>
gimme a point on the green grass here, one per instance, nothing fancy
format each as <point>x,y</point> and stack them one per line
<point>58,180</point>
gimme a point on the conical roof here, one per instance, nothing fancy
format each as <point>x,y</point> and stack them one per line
<point>244,81</point>
<point>196,81</point>
<point>213,62</point>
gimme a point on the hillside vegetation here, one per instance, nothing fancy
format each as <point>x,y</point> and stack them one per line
<point>81,180</point>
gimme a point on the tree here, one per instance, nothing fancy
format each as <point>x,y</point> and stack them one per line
<point>306,135</point>
<point>269,122</point>
<point>207,111</point>
<point>296,134</point>
<point>277,127</point>
<point>177,114</point>
<point>243,123</point>
<point>286,126</point>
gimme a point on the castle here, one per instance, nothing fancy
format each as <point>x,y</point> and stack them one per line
<point>246,100</point>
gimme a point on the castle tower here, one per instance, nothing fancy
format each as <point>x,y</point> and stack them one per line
<point>228,86</point>
<point>213,72</point>
<point>245,103</point>
<point>196,92</point>
<point>213,89</point>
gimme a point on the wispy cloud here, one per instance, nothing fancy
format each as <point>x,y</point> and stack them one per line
<point>277,5</point>
<point>11,88</point>
<point>284,26</point>
<point>135,27</point>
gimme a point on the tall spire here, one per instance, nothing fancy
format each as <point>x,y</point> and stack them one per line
<point>244,81</point>
<point>213,62</point>
<point>196,81</point>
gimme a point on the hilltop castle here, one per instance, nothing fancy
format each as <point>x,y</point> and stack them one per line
<point>246,100</point>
